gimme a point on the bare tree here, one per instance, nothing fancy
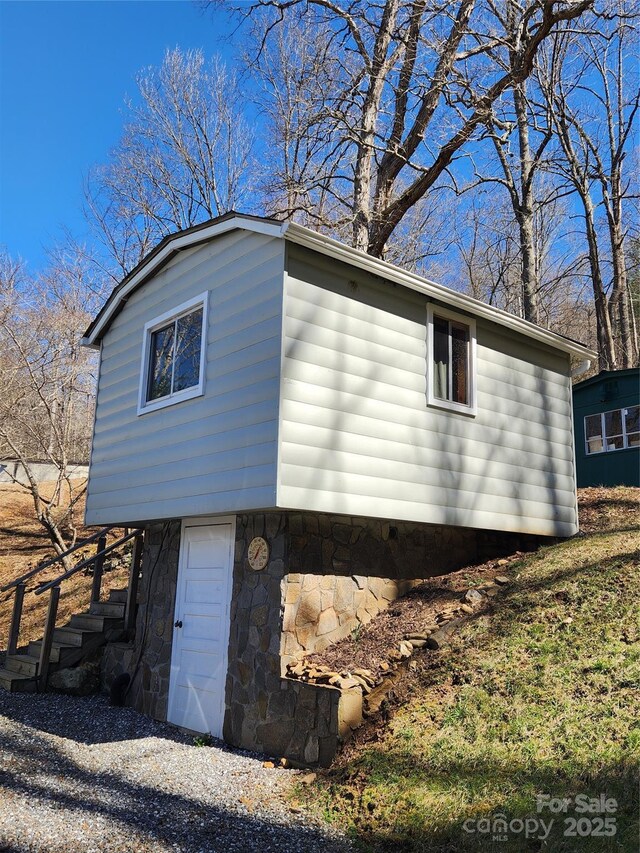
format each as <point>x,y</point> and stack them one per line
<point>592,88</point>
<point>294,74</point>
<point>488,250</point>
<point>488,242</point>
<point>633,271</point>
<point>417,82</point>
<point>46,390</point>
<point>306,175</point>
<point>183,158</point>
<point>520,131</point>
<point>519,183</point>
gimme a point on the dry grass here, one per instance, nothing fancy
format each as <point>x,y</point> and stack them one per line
<point>608,509</point>
<point>23,544</point>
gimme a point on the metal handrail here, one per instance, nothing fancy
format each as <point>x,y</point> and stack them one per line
<point>58,557</point>
<point>87,562</point>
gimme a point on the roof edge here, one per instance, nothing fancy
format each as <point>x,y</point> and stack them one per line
<point>164,251</point>
<point>328,246</point>
<point>315,241</point>
<point>606,375</point>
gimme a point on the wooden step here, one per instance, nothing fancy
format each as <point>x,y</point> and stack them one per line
<point>108,608</point>
<point>24,664</point>
<point>94,622</point>
<point>64,654</point>
<point>15,682</point>
<point>72,643</point>
<point>61,653</point>
<point>118,595</point>
<point>73,636</point>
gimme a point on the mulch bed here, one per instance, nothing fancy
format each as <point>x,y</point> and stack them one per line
<point>370,646</point>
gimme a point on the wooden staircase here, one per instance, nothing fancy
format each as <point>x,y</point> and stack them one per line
<point>67,646</point>
<point>71,643</point>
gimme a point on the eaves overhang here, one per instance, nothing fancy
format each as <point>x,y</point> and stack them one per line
<point>316,242</point>
<point>163,253</point>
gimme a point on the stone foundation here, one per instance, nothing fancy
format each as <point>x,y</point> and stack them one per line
<point>253,691</point>
<point>326,575</point>
<point>116,659</point>
<point>343,571</point>
<point>148,657</point>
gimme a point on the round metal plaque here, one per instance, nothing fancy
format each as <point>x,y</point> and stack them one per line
<point>258,554</point>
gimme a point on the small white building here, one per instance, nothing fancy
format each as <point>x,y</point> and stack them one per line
<point>269,395</point>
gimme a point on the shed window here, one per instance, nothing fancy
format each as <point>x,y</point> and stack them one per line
<point>614,430</point>
<point>451,348</point>
<point>172,359</point>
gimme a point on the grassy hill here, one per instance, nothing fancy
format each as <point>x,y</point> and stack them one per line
<point>541,696</point>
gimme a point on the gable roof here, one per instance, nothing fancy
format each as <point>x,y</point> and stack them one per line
<point>608,375</point>
<point>291,231</point>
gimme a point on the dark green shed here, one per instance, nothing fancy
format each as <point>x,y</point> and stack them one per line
<point>607,429</point>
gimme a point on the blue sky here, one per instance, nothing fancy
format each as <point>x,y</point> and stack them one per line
<point>65,68</point>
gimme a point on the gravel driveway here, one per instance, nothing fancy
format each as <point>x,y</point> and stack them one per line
<point>77,775</point>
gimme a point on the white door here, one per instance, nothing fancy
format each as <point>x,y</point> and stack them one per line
<point>201,630</point>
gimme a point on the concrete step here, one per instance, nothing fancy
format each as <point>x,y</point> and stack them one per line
<point>94,622</point>
<point>118,595</point>
<point>23,664</point>
<point>108,608</point>
<point>14,682</point>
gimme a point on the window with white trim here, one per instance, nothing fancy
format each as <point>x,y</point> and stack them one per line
<point>173,356</point>
<point>614,430</point>
<point>451,346</point>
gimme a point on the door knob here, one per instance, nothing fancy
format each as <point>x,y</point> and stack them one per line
<point>178,624</point>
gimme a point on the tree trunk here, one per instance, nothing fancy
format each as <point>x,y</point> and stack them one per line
<point>363,176</point>
<point>59,544</point>
<point>606,342</point>
<point>528,263</point>
<point>619,312</point>
<point>528,255</point>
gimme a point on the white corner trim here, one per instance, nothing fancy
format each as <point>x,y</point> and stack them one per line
<point>145,406</point>
<point>470,409</point>
<point>281,368</point>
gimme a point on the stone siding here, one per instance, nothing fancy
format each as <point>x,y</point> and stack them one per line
<point>343,571</point>
<point>266,712</point>
<point>148,658</point>
<point>117,658</point>
<point>253,694</point>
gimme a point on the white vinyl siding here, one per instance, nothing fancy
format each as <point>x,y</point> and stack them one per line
<point>358,437</point>
<point>327,409</point>
<point>215,453</point>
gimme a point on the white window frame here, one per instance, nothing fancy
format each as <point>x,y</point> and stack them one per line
<point>470,408</point>
<point>603,435</point>
<point>144,405</point>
